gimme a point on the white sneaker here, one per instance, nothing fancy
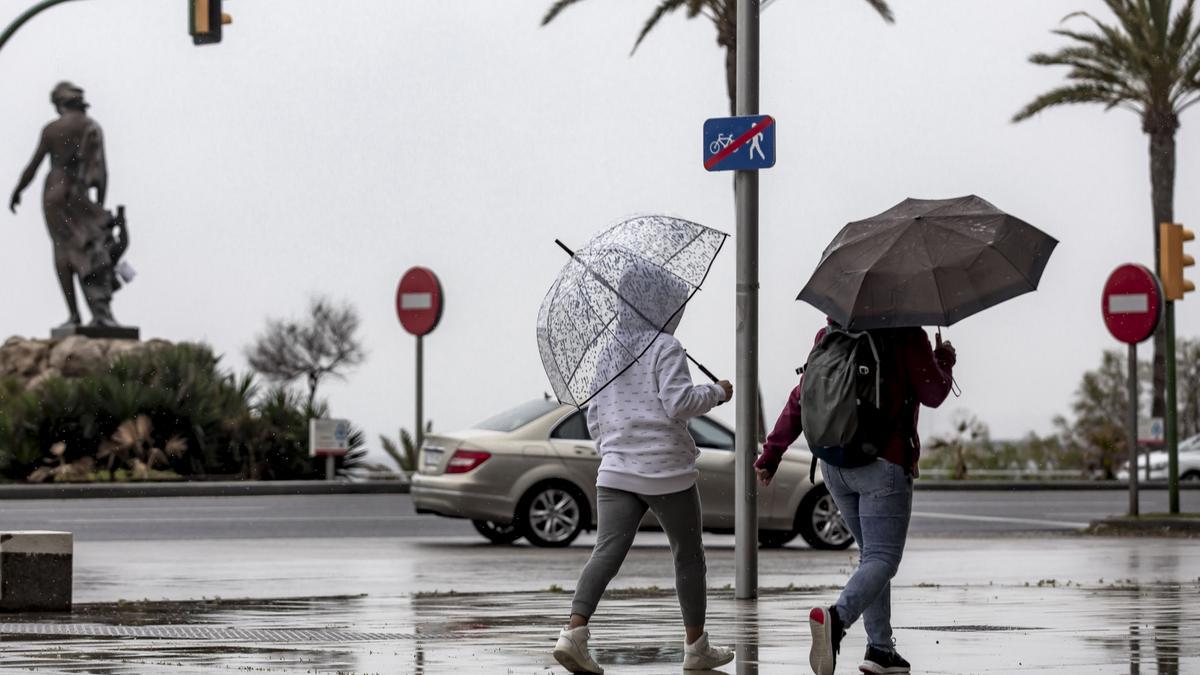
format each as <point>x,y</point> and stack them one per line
<point>702,656</point>
<point>572,652</point>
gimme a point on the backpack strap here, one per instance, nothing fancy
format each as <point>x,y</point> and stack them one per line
<point>878,365</point>
<point>874,352</point>
<point>812,470</point>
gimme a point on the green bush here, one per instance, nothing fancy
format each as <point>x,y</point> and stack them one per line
<point>228,427</point>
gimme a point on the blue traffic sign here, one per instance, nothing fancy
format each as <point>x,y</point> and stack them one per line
<point>739,143</point>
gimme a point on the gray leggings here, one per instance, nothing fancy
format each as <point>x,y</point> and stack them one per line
<point>618,516</point>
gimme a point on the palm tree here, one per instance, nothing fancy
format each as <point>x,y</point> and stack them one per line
<point>723,15</point>
<point>1148,62</point>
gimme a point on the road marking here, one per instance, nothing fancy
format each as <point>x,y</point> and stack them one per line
<point>998,519</point>
<point>244,519</point>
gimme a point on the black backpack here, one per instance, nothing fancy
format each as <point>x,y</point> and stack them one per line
<point>840,406</point>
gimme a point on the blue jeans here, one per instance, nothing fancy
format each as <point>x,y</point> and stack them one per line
<point>876,503</point>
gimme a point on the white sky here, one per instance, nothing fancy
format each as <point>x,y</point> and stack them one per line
<point>328,146</point>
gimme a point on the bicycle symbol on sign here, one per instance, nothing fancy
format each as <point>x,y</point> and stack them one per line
<point>722,142</point>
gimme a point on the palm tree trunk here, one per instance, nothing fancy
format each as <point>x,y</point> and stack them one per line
<point>1162,197</point>
<point>731,77</point>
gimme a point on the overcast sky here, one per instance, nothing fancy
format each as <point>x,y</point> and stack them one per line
<point>326,147</point>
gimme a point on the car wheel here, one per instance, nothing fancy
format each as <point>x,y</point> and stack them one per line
<point>1191,475</point>
<point>551,515</point>
<point>497,533</point>
<point>775,538</point>
<point>820,523</point>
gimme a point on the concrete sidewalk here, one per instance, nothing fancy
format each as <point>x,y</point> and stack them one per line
<point>1059,604</point>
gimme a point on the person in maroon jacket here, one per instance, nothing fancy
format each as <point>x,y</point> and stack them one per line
<point>875,500</point>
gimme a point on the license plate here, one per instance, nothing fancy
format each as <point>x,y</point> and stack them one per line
<point>433,457</point>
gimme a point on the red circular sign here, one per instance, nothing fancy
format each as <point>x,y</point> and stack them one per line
<point>419,301</point>
<point>1132,303</point>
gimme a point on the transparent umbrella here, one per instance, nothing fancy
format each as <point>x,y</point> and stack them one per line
<point>615,295</point>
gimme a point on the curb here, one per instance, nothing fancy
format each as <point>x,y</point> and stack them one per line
<point>200,489</point>
<point>1148,526</point>
<point>1031,485</point>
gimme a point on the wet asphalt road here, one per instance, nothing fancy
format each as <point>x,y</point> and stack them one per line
<point>935,514</point>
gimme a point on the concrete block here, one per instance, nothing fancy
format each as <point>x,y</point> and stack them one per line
<point>35,571</point>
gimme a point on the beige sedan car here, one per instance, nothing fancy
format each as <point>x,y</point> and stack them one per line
<point>531,472</point>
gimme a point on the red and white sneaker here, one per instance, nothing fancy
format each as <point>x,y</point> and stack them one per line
<point>827,634</point>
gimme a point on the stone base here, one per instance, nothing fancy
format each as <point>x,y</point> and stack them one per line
<point>101,332</point>
<point>35,571</point>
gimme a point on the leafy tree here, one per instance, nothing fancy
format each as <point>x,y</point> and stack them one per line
<point>1101,407</point>
<point>970,436</point>
<point>721,13</point>
<point>323,344</point>
<point>1147,62</point>
<point>1187,355</point>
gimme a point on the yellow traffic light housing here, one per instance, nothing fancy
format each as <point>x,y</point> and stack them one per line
<point>1172,260</point>
<point>205,18</point>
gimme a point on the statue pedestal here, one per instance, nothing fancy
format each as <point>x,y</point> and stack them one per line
<point>103,332</point>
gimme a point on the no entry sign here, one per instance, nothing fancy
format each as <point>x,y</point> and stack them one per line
<point>1132,303</point>
<point>419,301</point>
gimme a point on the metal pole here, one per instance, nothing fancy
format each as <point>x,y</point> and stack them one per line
<point>420,434</point>
<point>746,190</point>
<point>29,14</point>
<point>329,473</point>
<point>1133,430</point>
<point>1172,414</point>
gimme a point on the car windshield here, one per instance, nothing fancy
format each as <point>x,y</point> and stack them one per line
<point>515,418</point>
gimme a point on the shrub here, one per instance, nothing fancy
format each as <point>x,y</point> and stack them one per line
<point>185,401</point>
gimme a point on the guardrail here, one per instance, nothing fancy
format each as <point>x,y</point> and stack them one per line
<point>1009,474</point>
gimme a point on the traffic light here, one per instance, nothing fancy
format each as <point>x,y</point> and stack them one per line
<point>1172,260</point>
<point>205,19</point>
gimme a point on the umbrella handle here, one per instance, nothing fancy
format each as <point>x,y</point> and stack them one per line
<point>699,365</point>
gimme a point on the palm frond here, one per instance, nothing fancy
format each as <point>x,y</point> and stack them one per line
<point>664,8</point>
<point>881,6</point>
<point>1078,93</point>
<point>557,9</point>
<point>1089,66</point>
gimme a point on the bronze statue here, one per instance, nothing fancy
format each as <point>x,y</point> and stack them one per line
<point>88,240</point>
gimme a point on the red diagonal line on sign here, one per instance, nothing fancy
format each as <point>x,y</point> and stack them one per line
<point>737,143</point>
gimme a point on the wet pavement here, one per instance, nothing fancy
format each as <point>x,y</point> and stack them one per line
<point>1059,604</point>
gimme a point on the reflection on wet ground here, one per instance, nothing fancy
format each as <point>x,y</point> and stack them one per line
<point>948,629</point>
<point>1053,605</point>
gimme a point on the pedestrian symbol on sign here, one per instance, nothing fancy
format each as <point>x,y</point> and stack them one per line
<point>756,147</point>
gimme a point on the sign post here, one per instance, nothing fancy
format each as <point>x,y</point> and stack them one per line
<point>745,183</point>
<point>419,304</point>
<point>745,144</point>
<point>1132,305</point>
<point>328,438</point>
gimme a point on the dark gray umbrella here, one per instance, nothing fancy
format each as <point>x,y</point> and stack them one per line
<point>927,262</point>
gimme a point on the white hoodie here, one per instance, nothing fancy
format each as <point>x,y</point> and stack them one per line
<point>639,422</point>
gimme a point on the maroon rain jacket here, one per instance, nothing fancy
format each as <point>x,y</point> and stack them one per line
<point>915,374</point>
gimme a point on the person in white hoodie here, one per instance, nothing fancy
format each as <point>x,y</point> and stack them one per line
<point>647,461</point>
